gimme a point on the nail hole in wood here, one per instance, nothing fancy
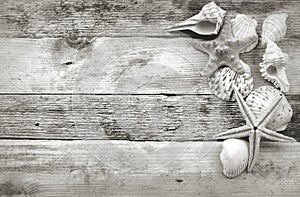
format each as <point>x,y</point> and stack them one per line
<point>179,180</point>
<point>68,63</point>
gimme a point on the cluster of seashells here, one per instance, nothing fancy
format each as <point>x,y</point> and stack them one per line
<point>209,21</point>
<point>273,67</point>
<point>235,153</point>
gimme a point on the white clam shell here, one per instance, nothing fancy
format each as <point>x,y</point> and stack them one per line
<point>274,28</point>
<point>244,27</point>
<point>262,98</point>
<point>234,157</point>
<point>207,22</point>
<point>223,80</point>
<point>273,67</point>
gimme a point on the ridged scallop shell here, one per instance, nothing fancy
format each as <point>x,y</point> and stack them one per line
<point>234,157</point>
<point>207,22</point>
<point>273,67</point>
<point>262,98</point>
<point>222,81</point>
<point>274,28</point>
<point>244,27</point>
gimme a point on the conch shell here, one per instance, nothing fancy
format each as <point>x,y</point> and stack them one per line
<point>234,157</point>
<point>273,67</point>
<point>274,28</point>
<point>262,98</point>
<point>223,80</point>
<point>207,22</point>
<point>244,27</point>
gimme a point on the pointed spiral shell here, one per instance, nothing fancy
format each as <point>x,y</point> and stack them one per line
<point>273,67</point>
<point>274,28</point>
<point>207,22</point>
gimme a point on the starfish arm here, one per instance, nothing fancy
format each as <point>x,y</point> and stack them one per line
<point>245,110</point>
<point>264,119</point>
<point>274,136</point>
<point>226,31</point>
<point>239,132</point>
<point>244,44</point>
<point>241,67</point>
<point>200,45</point>
<point>204,46</point>
<point>254,143</point>
<point>209,69</point>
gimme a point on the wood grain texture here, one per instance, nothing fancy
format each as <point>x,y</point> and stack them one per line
<point>121,168</point>
<point>78,77</point>
<point>136,117</point>
<point>118,66</point>
<point>59,18</point>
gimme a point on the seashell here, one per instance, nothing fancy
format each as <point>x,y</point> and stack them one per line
<point>260,100</point>
<point>207,22</point>
<point>274,28</point>
<point>244,27</point>
<point>223,80</point>
<point>234,157</point>
<point>273,67</point>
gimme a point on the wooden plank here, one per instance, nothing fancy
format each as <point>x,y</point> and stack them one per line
<point>59,18</point>
<point>139,117</point>
<point>121,168</point>
<point>118,66</point>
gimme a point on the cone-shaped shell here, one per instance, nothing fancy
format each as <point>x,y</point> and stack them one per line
<point>274,28</point>
<point>234,157</point>
<point>273,67</point>
<point>207,22</point>
<point>223,80</point>
<point>244,27</point>
<point>262,98</point>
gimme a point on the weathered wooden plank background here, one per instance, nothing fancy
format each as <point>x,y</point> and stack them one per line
<point>42,18</point>
<point>138,117</point>
<point>98,99</point>
<point>119,65</point>
<point>68,168</point>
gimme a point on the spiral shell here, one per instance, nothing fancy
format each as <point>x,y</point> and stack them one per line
<point>234,157</point>
<point>207,22</point>
<point>273,67</point>
<point>222,82</point>
<point>244,27</point>
<point>274,28</point>
<point>262,98</point>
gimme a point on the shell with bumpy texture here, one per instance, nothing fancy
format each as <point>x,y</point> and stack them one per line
<point>224,79</point>
<point>244,27</point>
<point>207,22</point>
<point>234,157</point>
<point>262,98</point>
<point>274,28</point>
<point>273,67</point>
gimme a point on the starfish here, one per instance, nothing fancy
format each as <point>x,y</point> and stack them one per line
<point>255,128</point>
<point>225,50</point>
